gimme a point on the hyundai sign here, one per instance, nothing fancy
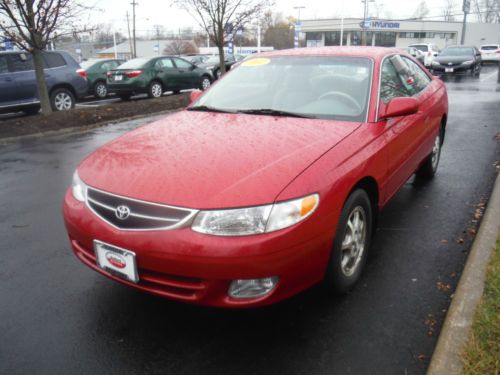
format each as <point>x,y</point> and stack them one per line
<point>369,24</point>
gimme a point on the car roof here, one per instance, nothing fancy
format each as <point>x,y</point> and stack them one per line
<point>347,51</point>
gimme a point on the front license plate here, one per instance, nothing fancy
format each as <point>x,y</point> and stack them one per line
<point>117,261</point>
<point>448,70</point>
<point>118,78</point>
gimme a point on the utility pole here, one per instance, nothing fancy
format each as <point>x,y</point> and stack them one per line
<point>134,4</point>
<point>365,14</point>
<point>130,38</point>
<point>466,9</point>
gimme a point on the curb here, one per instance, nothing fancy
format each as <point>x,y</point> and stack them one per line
<point>83,128</point>
<point>447,357</point>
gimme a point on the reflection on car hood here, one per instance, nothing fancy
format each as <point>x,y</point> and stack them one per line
<point>211,160</point>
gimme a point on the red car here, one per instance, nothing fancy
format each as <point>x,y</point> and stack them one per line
<point>268,183</point>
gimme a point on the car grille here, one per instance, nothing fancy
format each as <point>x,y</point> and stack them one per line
<point>132,214</point>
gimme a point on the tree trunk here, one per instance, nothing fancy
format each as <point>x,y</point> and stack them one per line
<point>220,46</point>
<point>43,94</point>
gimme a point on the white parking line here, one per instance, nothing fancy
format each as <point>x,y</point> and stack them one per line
<point>485,78</point>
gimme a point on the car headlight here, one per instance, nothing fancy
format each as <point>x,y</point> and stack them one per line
<point>255,220</point>
<point>79,188</point>
<point>468,62</point>
<point>209,67</point>
<point>435,63</point>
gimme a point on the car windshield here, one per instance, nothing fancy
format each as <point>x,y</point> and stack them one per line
<point>326,87</point>
<point>457,51</point>
<point>134,64</point>
<point>490,48</point>
<point>87,64</point>
<point>423,47</point>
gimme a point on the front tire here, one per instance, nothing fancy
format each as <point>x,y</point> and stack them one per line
<point>62,99</point>
<point>429,168</point>
<point>155,89</point>
<point>100,90</point>
<point>205,83</point>
<point>351,244</point>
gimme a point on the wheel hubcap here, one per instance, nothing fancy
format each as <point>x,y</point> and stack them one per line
<point>435,152</point>
<point>156,90</point>
<point>101,90</point>
<point>353,245</point>
<point>219,73</point>
<point>205,83</point>
<point>63,101</point>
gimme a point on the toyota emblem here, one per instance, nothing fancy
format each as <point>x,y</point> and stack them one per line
<point>122,212</point>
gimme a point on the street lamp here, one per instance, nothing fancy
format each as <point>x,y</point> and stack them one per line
<point>365,14</point>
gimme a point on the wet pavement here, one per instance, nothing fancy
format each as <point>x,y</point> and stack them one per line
<point>58,317</point>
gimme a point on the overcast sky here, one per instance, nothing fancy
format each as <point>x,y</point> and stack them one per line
<point>155,12</point>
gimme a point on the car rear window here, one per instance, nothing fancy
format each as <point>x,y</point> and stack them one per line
<point>53,59</point>
<point>134,64</point>
<point>423,47</point>
<point>490,47</point>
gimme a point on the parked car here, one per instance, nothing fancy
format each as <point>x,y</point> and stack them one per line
<point>212,64</point>
<point>430,51</point>
<point>95,71</point>
<point>19,89</point>
<point>156,75</point>
<point>416,53</point>
<point>490,53</point>
<point>458,61</point>
<point>268,183</point>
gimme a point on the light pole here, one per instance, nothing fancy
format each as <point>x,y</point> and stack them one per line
<point>297,29</point>
<point>466,9</point>
<point>365,14</point>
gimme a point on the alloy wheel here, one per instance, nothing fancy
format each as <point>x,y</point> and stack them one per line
<point>205,83</point>
<point>101,90</point>
<point>436,150</point>
<point>63,101</point>
<point>156,90</point>
<point>354,242</point>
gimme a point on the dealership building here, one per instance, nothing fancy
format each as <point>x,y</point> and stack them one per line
<point>395,33</point>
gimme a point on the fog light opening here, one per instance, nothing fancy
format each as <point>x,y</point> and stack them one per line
<point>252,288</point>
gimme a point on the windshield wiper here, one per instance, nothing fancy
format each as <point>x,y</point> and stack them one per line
<point>274,112</point>
<point>206,108</point>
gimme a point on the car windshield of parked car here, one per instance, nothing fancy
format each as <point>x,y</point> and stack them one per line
<point>423,48</point>
<point>326,87</point>
<point>465,51</point>
<point>134,64</point>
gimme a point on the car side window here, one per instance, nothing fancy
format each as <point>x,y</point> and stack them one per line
<point>391,84</point>
<point>164,63</point>
<point>3,65</point>
<point>420,79</point>
<point>18,64</point>
<point>53,59</point>
<point>182,64</point>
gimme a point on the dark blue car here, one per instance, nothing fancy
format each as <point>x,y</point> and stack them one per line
<point>18,88</point>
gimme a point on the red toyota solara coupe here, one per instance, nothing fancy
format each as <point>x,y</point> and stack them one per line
<point>268,183</point>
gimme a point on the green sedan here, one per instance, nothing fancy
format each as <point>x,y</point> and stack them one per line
<point>156,75</point>
<point>95,71</point>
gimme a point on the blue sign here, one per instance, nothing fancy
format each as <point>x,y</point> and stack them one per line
<point>230,44</point>
<point>7,43</point>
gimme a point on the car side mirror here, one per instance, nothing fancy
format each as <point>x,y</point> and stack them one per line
<point>400,107</point>
<point>195,94</point>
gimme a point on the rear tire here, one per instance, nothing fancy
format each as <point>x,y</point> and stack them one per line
<point>351,244</point>
<point>155,89</point>
<point>100,90</point>
<point>429,168</point>
<point>62,99</point>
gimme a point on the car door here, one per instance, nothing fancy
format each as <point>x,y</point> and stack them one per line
<point>7,83</point>
<point>403,133</point>
<point>166,73</point>
<point>23,72</point>
<point>188,76</point>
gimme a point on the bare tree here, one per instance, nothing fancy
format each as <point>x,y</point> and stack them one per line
<point>487,11</point>
<point>219,18</point>
<point>31,25</point>
<point>278,32</point>
<point>448,11</point>
<point>180,47</point>
<point>422,11</point>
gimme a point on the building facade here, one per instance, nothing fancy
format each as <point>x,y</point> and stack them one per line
<point>395,33</point>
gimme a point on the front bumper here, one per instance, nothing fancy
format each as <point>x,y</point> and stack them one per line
<point>457,70</point>
<point>187,266</point>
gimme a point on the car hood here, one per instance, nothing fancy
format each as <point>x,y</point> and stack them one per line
<point>453,59</point>
<point>211,160</point>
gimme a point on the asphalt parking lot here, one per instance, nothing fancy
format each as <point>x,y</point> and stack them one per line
<point>58,317</point>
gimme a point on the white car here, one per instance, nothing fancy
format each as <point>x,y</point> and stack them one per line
<point>490,52</point>
<point>430,51</point>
